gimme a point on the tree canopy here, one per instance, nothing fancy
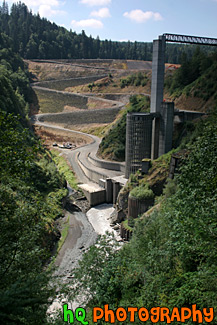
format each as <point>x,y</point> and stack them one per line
<point>34,37</point>
<point>31,190</point>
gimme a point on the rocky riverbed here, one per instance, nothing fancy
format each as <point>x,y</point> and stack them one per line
<point>83,232</point>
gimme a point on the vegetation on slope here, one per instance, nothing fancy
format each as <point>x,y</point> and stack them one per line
<point>136,79</point>
<point>171,258</point>
<point>54,102</point>
<point>31,193</point>
<point>196,80</point>
<point>113,144</point>
<point>65,169</point>
<point>136,82</point>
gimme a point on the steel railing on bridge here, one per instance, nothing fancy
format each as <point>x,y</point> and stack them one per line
<point>190,39</point>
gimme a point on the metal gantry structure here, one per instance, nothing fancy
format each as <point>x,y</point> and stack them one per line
<point>190,39</point>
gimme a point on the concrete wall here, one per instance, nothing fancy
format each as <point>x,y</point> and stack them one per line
<point>85,116</point>
<point>106,164</point>
<point>166,127</point>
<point>110,187</point>
<point>70,82</point>
<point>182,116</point>
<point>94,197</point>
<point>90,174</point>
<point>138,207</point>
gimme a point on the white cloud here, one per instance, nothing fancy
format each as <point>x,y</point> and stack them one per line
<point>101,13</point>
<point>47,11</point>
<point>93,23</point>
<point>45,8</point>
<point>36,3</point>
<point>92,3</point>
<point>140,16</point>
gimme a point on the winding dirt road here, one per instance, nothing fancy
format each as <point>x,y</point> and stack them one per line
<point>85,150</point>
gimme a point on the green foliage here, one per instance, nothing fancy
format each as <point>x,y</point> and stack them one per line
<point>126,225</point>
<point>113,144</point>
<point>64,169</point>
<point>14,83</point>
<point>205,85</point>
<point>196,76</point>
<point>137,79</point>
<point>25,229</point>
<point>88,276</point>
<point>170,187</point>
<point>31,193</point>
<point>64,234</point>
<point>142,193</point>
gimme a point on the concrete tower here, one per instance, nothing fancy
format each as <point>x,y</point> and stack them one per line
<point>150,135</point>
<point>138,140</point>
<point>157,88</point>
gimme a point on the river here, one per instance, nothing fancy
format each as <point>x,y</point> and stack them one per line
<point>83,232</point>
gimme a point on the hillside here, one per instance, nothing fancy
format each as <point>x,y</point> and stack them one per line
<point>31,193</point>
<point>118,82</point>
<point>193,86</point>
<point>113,143</point>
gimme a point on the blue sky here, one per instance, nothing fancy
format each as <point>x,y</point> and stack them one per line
<point>134,20</point>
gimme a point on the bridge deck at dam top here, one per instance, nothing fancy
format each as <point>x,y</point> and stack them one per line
<point>189,39</point>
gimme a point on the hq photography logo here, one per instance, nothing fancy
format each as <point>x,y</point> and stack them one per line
<point>155,315</point>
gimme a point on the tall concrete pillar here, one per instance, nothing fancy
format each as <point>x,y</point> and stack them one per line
<point>109,190</point>
<point>155,138</point>
<point>157,83</point>
<point>166,127</point>
<point>116,190</point>
<point>157,88</point>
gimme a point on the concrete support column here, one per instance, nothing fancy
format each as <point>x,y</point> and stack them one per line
<point>155,138</point>
<point>166,127</point>
<point>116,189</point>
<point>157,83</point>
<point>128,146</point>
<point>109,190</point>
<point>157,88</point>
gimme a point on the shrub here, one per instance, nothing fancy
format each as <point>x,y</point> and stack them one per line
<point>142,193</point>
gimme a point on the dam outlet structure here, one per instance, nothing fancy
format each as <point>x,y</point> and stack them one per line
<point>150,135</point>
<point>139,136</point>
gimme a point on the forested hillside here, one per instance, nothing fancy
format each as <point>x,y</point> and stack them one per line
<point>197,76</point>
<point>34,37</point>
<point>31,190</point>
<point>113,143</point>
